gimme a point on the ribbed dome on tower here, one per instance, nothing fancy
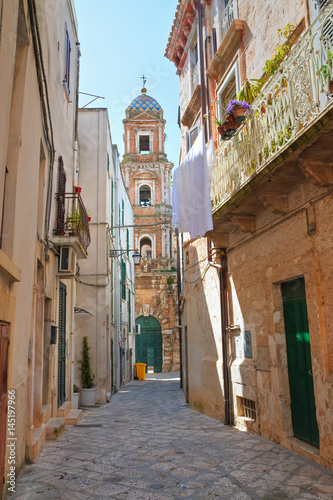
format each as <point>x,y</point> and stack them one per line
<point>144,103</point>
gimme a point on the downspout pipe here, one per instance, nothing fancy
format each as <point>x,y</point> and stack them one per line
<point>222,269</point>
<point>179,313</point>
<point>202,69</point>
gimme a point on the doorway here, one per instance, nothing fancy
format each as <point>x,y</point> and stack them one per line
<point>148,345</point>
<point>303,407</point>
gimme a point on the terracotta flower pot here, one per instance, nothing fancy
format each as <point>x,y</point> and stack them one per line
<point>239,113</point>
<point>330,86</point>
<point>78,190</point>
<point>228,128</point>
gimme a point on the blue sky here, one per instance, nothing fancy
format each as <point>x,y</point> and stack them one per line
<point>121,41</point>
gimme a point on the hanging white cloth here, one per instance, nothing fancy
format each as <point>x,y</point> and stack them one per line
<point>211,160</point>
<point>191,202</point>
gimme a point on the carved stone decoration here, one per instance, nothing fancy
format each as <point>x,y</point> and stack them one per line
<point>277,203</point>
<point>146,309</point>
<point>245,223</point>
<point>319,172</point>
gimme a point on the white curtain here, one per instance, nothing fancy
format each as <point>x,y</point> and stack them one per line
<point>191,203</point>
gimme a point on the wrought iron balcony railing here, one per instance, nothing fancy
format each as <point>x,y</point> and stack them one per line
<point>298,95</point>
<point>227,18</point>
<point>72,217</point>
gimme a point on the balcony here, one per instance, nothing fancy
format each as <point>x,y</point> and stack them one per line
<point>227,18</point>
<point>289,125</point>
<point>191,106</point>
<point>231,35</point>
<point>72,224</point>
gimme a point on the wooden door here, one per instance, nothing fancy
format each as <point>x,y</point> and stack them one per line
<point>303,407</point>
<point>4,340</point>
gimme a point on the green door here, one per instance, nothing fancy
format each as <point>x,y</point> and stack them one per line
<point>62,345</point>
<point>148,345</point>
<point>303,407</point>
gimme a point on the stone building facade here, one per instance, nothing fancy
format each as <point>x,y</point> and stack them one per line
<point>256,291</point>
<point>39,244</point>
<point>147,176</point>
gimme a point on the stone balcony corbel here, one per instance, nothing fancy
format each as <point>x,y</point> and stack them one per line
<point>275,202</point>
<point>318,172</point>
<point>245,223</point>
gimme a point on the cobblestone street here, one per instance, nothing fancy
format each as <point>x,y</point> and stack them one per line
<point>147,444</point>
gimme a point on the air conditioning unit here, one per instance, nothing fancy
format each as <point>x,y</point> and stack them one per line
<point>67,261</point>
<point>137,329</point>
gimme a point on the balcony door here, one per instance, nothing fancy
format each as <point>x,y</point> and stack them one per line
<point>303,407</point>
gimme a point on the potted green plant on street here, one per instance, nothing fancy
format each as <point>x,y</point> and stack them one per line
<point>75,398</point>
<point>88,390</point>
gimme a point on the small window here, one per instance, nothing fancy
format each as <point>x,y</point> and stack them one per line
<point>145,196</point>
<point>67,63</point>
<point>246,408</point>
<point>144,143</point>
<point>191,136</point>
<point>145,248</point>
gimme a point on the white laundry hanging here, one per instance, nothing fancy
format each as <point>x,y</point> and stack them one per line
<point>191,202</point>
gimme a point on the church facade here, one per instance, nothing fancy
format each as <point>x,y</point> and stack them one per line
<point>147,176</point>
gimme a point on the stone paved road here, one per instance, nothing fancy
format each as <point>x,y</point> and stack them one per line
<point>147,444</point>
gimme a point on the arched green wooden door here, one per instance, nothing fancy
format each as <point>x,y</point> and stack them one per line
<point>148,345</point>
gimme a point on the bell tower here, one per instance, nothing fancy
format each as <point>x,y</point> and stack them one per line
<point>147,176</point>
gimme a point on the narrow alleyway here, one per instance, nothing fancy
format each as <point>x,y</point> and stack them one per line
<point>147,444</point>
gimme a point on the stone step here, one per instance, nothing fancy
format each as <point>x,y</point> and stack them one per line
<point>55,427</point>
<point>73,417</point>
<point>38,442</point>
<point>46,411</point>
<point>64,409</point>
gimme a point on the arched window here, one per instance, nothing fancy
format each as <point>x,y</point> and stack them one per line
<point>145,196</point>
<point>146,248</point>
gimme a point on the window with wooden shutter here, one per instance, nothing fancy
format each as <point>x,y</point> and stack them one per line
<point>123,280</point>
<point>67,62</point>
<point>129,312</point>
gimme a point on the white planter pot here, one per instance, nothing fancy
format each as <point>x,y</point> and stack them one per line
<point>75,400</point>
<point>88,397</point>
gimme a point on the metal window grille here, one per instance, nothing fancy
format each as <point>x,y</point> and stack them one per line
<point>249,408</point>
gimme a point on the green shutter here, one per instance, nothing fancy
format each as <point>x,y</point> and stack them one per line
<point>129,312</point>
<point>123,279</point>
<point>127,241</point>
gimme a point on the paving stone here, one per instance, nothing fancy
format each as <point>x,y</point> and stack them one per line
<point>149,445</point>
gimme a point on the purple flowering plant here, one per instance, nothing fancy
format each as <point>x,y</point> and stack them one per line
<point>234,103</point>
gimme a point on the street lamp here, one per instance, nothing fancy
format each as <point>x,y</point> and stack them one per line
<point>118,253</point>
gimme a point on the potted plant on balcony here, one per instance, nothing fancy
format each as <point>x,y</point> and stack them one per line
<point>238,109</point>
<point>76,395</point>
<point>228,128</point>
<point>88,390</point>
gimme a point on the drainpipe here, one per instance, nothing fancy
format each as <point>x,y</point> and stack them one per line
<point>202,69</point>
<point>179,312</point>
<point>222,269</point>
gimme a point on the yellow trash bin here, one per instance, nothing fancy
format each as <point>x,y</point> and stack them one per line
<point>141,370</point>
